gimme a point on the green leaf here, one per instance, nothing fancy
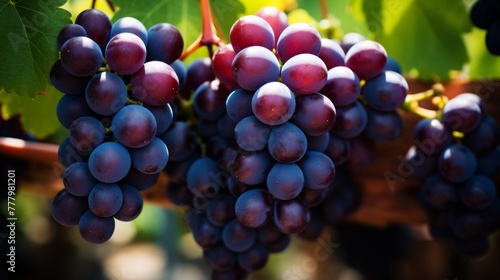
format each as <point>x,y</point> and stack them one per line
<point>423,35</point>
<point>38,115</point>
<point>28,32</point>
<point>483,65</point>
<point>185,15</point>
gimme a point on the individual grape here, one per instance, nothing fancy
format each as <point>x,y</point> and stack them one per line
<point>220,210</point>
<point>331,53</point>
<point>478,192</point>
<point>105,199</point>
<point>473,98</point>
<point>252,167</point>
<point>65,82</point>
<point>350,39</point>
<point>134,126</point>
<point>254,259</point>
<point>198,72</point>
<point>457,163</point>
<point>81,56</point>
<point>139,180</point>
<point>431,136</point>
<point>165,43</point>
<point>350,120</point>
<point>440,193</point>
<point>129,25</point>
<point>71,107</point>
<point>338,149</point>
<point>180,140</point>
<point>291,216</point>
<point>239,104</point>
<point>287,143</point>
<point>109,162</point>
<point>342,86</point>
<point>106,93</point>
<point>97,24</point>
<point>220,258</point>
<point>420,164</point>
<point>205,234</point>
<point>215,144</point>
<point>318,143</point>
<point>251,134</point>
<point>237,237</point>
<point>285,181</point>
<point>209,100</point>
<point>277,20</point>
<point>386,92</point>
<point>484,13</point>
<point>314,229</point>
<point>132,203</point>
<point>484,138</point>
<point>313,198</point>
<point>164,117</point>
<point>67,208</point>
<point>467,224</point>
<point>383,126</point>
<point>203,178</point>
<point>95,229</point>
<point>86,133</point>
<point>67,154</point>
<point>304,73</point>
<point>367,59</point>
<point>488,164</point>
<point>180,195</point>
<point>221,65</point>
<point>363,153</point>
<point>254,208</point>
<point>69,31</point>
<point>273,103</point>
<point>337,208</point>
<point>78,180</point>
<point>251,30</point>
<point>315,114</point>
<point>474,249</point>
<point>181,72</point>
<point>461,115</point>
<point>393,65</point>
<point>151,158</point>
<point>255,66</point>
<point>125,53</point>
<point>155,83</point>
<point>318,170</point>
<point>237,188</point>
<point>298,38</point>
<point>269,235</point>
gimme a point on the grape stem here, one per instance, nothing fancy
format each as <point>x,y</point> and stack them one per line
<point>323,5</point>
<point>208,36</point>
<point>411,102</point>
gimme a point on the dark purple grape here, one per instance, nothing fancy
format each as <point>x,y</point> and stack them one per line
<point>315,114</point>
<point>251,134</point>
<point>130,25</point>
<point>367,59</point>
<point>252,167</point>
<point>239,104</point>
<point>273,103</point>
<point>383,125</point>
<point>78,180</point>
<point>350,120</point>
<point>220,210</point>
<point>460,114</point>
<point>431,136</point>
<point>151,158</point>
<point>68,154</point>
<point>209,100</point>
<point>132,204</point>
<point>65,82</point>
<point>489,164</point>
<point>105,199</point>
<point>254,259</point>
<point>304,73</point>
<point>180,140</point>
<point>287,143</point>
<point>318,143</point>
<point>298,38</point>
<point>139,180</point>
<point>291,216</point>
<point>313,198</point>
<point>484,138</point>
<point>198,72</point>
<point>109,162</point>
<point>237,188</point>
<point>95,229</point>
<point>81,56</point>
<point>221,65</point>
<point>155,83</point>
<point>237,237</point>
<point>420,164</point>
<point>386,92</point>
<point>350,39</point>
<point>220,258</point>
<point>331,53</point>
<point>255,66</point>
<point>338,149</point>
<point>285,181</point>
<point>226,126</point>
<point>86,133</point>
<point>474,249</point>
<point>318,170</point>
<point>67,208</point>
<point>181,72</point>
<point>164,117</point>
<point>69,31</point>
<point>205,234</point>
<point>393,65</point>
<point>478,192</point>
<point>314,229</point>
<point>125,53</point>
<point>276,18</point>
<point>203,178</point>
<point>134,126</point>
<point>97,24</point>
<point>342,86</point>
<point>467,224</point>
<point>251,30</point>
<point>457,163</point>
<point>106,93</point>
<point>254,208</point>
<point>363,153</point>
<point>165,43</point>
<point>484,13</point>
<point>440,193</point>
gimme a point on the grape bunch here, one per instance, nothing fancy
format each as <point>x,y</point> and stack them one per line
<point>485,14</point>
<point>266,132</point>
<point>117,81</point>
<point>457,155</point>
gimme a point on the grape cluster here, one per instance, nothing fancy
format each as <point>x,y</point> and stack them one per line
<point>458,155</point>
<point>268,130</point>
<point>485,14</point>
<point>117,81</point>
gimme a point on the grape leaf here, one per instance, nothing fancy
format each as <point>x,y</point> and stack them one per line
<point>38,115</point>
<point>28,32</point>
<point>185,15</point>
<point>483,65</point>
